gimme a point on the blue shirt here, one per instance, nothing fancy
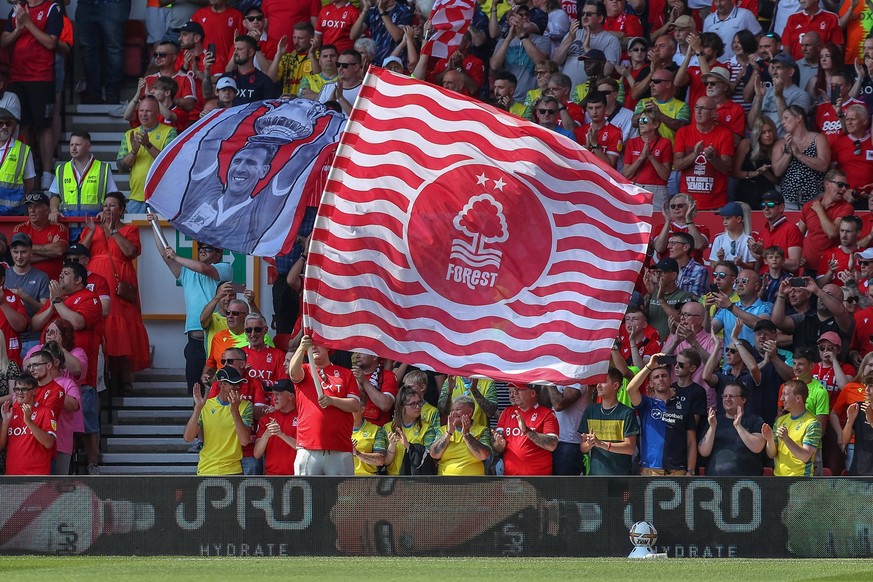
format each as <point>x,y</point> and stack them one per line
<point>664,427</point>
<point>694,278</point>
<point>199,290</point>
<point>728,320</point>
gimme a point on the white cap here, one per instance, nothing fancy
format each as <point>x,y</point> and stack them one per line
<point>226,83</point>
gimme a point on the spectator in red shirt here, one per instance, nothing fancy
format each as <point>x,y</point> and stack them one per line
<point>779,232</point>
<point>277,432</point>
<point>221,25</point>
<point>265,363</point>
<point>600,137</point>
<point>812,17</point>
<point>334,24</point>
<point>283,15</point>
<point>820,217</point>
<point>28,432</point>
<point>379,384</point>
<point>620,22</point>
<point>648,159</point>
<point>853,150</point>
<point>526,434</point>
<point>327,395</point>
<point>731,115</point>
<point>703,153</point>
<point>708,47</point>
<point>50,239</point>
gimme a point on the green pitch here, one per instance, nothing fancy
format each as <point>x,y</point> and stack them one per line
<point>98,569</point>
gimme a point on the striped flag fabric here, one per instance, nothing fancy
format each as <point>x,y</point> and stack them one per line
<point>450,20</point>
<point>457,237</point>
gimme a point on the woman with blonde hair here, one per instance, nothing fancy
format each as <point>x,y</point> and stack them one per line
<point>753,163</point>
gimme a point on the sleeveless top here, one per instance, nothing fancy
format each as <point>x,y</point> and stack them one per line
<point>800,183</point>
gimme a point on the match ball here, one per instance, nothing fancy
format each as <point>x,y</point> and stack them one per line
<point>642,534</point>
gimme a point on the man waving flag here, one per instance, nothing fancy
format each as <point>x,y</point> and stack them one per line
<point>457,237</point>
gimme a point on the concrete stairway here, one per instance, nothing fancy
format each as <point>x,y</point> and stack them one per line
<point>144,433</point>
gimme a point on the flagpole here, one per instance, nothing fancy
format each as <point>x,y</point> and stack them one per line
<point>156,228</point>
<point>316,377</point>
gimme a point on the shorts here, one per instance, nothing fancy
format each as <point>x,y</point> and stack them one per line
<point>331,463</point>
<point>90,410</point>
<point>37,102</point>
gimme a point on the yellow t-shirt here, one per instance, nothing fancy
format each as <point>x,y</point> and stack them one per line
<point>457,458</point>
<point>222,451</point>
<point>804,430</point>
<point>674,109</point>
<point>486,387</point>
<point>365,439</point>
<point>415,434</point>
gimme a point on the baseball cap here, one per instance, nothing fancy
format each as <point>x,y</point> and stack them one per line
<point>638,40</point>
<point>225,83</point>
<point>283,385</point>
<point>866,254</point>
<point>191,26</point>
<point>6,114</point>
<point>666,264</point>
<point>36,198</point>
<point>684,21</point>
<point>773,196</point>
<point>765,324</point>
<point>830,336</point>
<point>20,238</point>
<point>77,250</point>
<point>594,55</point>
<point>229,375</point>
<point>731,209</point>
<point>720,74</point>
<point>392,60</point>
<point>785,60</point>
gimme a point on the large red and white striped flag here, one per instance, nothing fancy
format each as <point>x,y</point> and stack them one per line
<point>461,238</point>
<point>450,20</point>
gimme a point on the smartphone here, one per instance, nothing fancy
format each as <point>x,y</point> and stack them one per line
<point>835,95</point>
<point>797,282</point>
<point>713,288</point>
<point>210,48</point>
<point>238,287</point>
<point>667,360</point>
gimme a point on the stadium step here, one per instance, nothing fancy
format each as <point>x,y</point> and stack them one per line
<point>144,432</point>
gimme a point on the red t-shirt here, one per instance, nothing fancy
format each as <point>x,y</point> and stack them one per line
<point>325,429</point>
<point>696,88</point>
<point>50,396</point>
<point>183,80</point>
<point>862,335</point>
<point>858,167</point>
<point>279,454</point>
<point>816,241</point>
<point>48,234</point>
<point>829,380</point>
<point>388,385</point>
<point>30,61</point>
<point>826,24</point>
<point>627,23</point>
<point>522,456</point>
<point>701,180</point>
<point>24,454</point>
<point>784,234</point>
<point>650,345</point>
<point>842,258</point>
<point>335,23</point>
<point>88,305</point>
<point>472,65</point>
<point>661,150</point>
<point>732,116</point>
<point>266,364</point>
<point>283,15</point>
<point>197,65</point>
<point>608,138</point>
<point>220,28</point>
<point>13,341</point>
<point>98,285</point>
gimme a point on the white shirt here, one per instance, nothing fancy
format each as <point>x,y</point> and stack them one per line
<point>738,19</point>
<point>569,418</point>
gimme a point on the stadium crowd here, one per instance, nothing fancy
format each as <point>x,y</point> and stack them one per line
<point>741,353</point>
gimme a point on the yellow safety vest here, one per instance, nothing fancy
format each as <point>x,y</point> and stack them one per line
<point>158,138</point>
<point>12,176</point>
<point>76,199</point>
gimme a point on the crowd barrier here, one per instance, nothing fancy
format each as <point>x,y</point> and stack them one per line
<point>552,516</point>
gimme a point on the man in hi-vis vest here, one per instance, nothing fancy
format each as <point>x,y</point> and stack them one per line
<point>16,167</point>
<point>80,184</point>
<point>139,148</point>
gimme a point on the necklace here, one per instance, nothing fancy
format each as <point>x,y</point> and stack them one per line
<point>610,411</point>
